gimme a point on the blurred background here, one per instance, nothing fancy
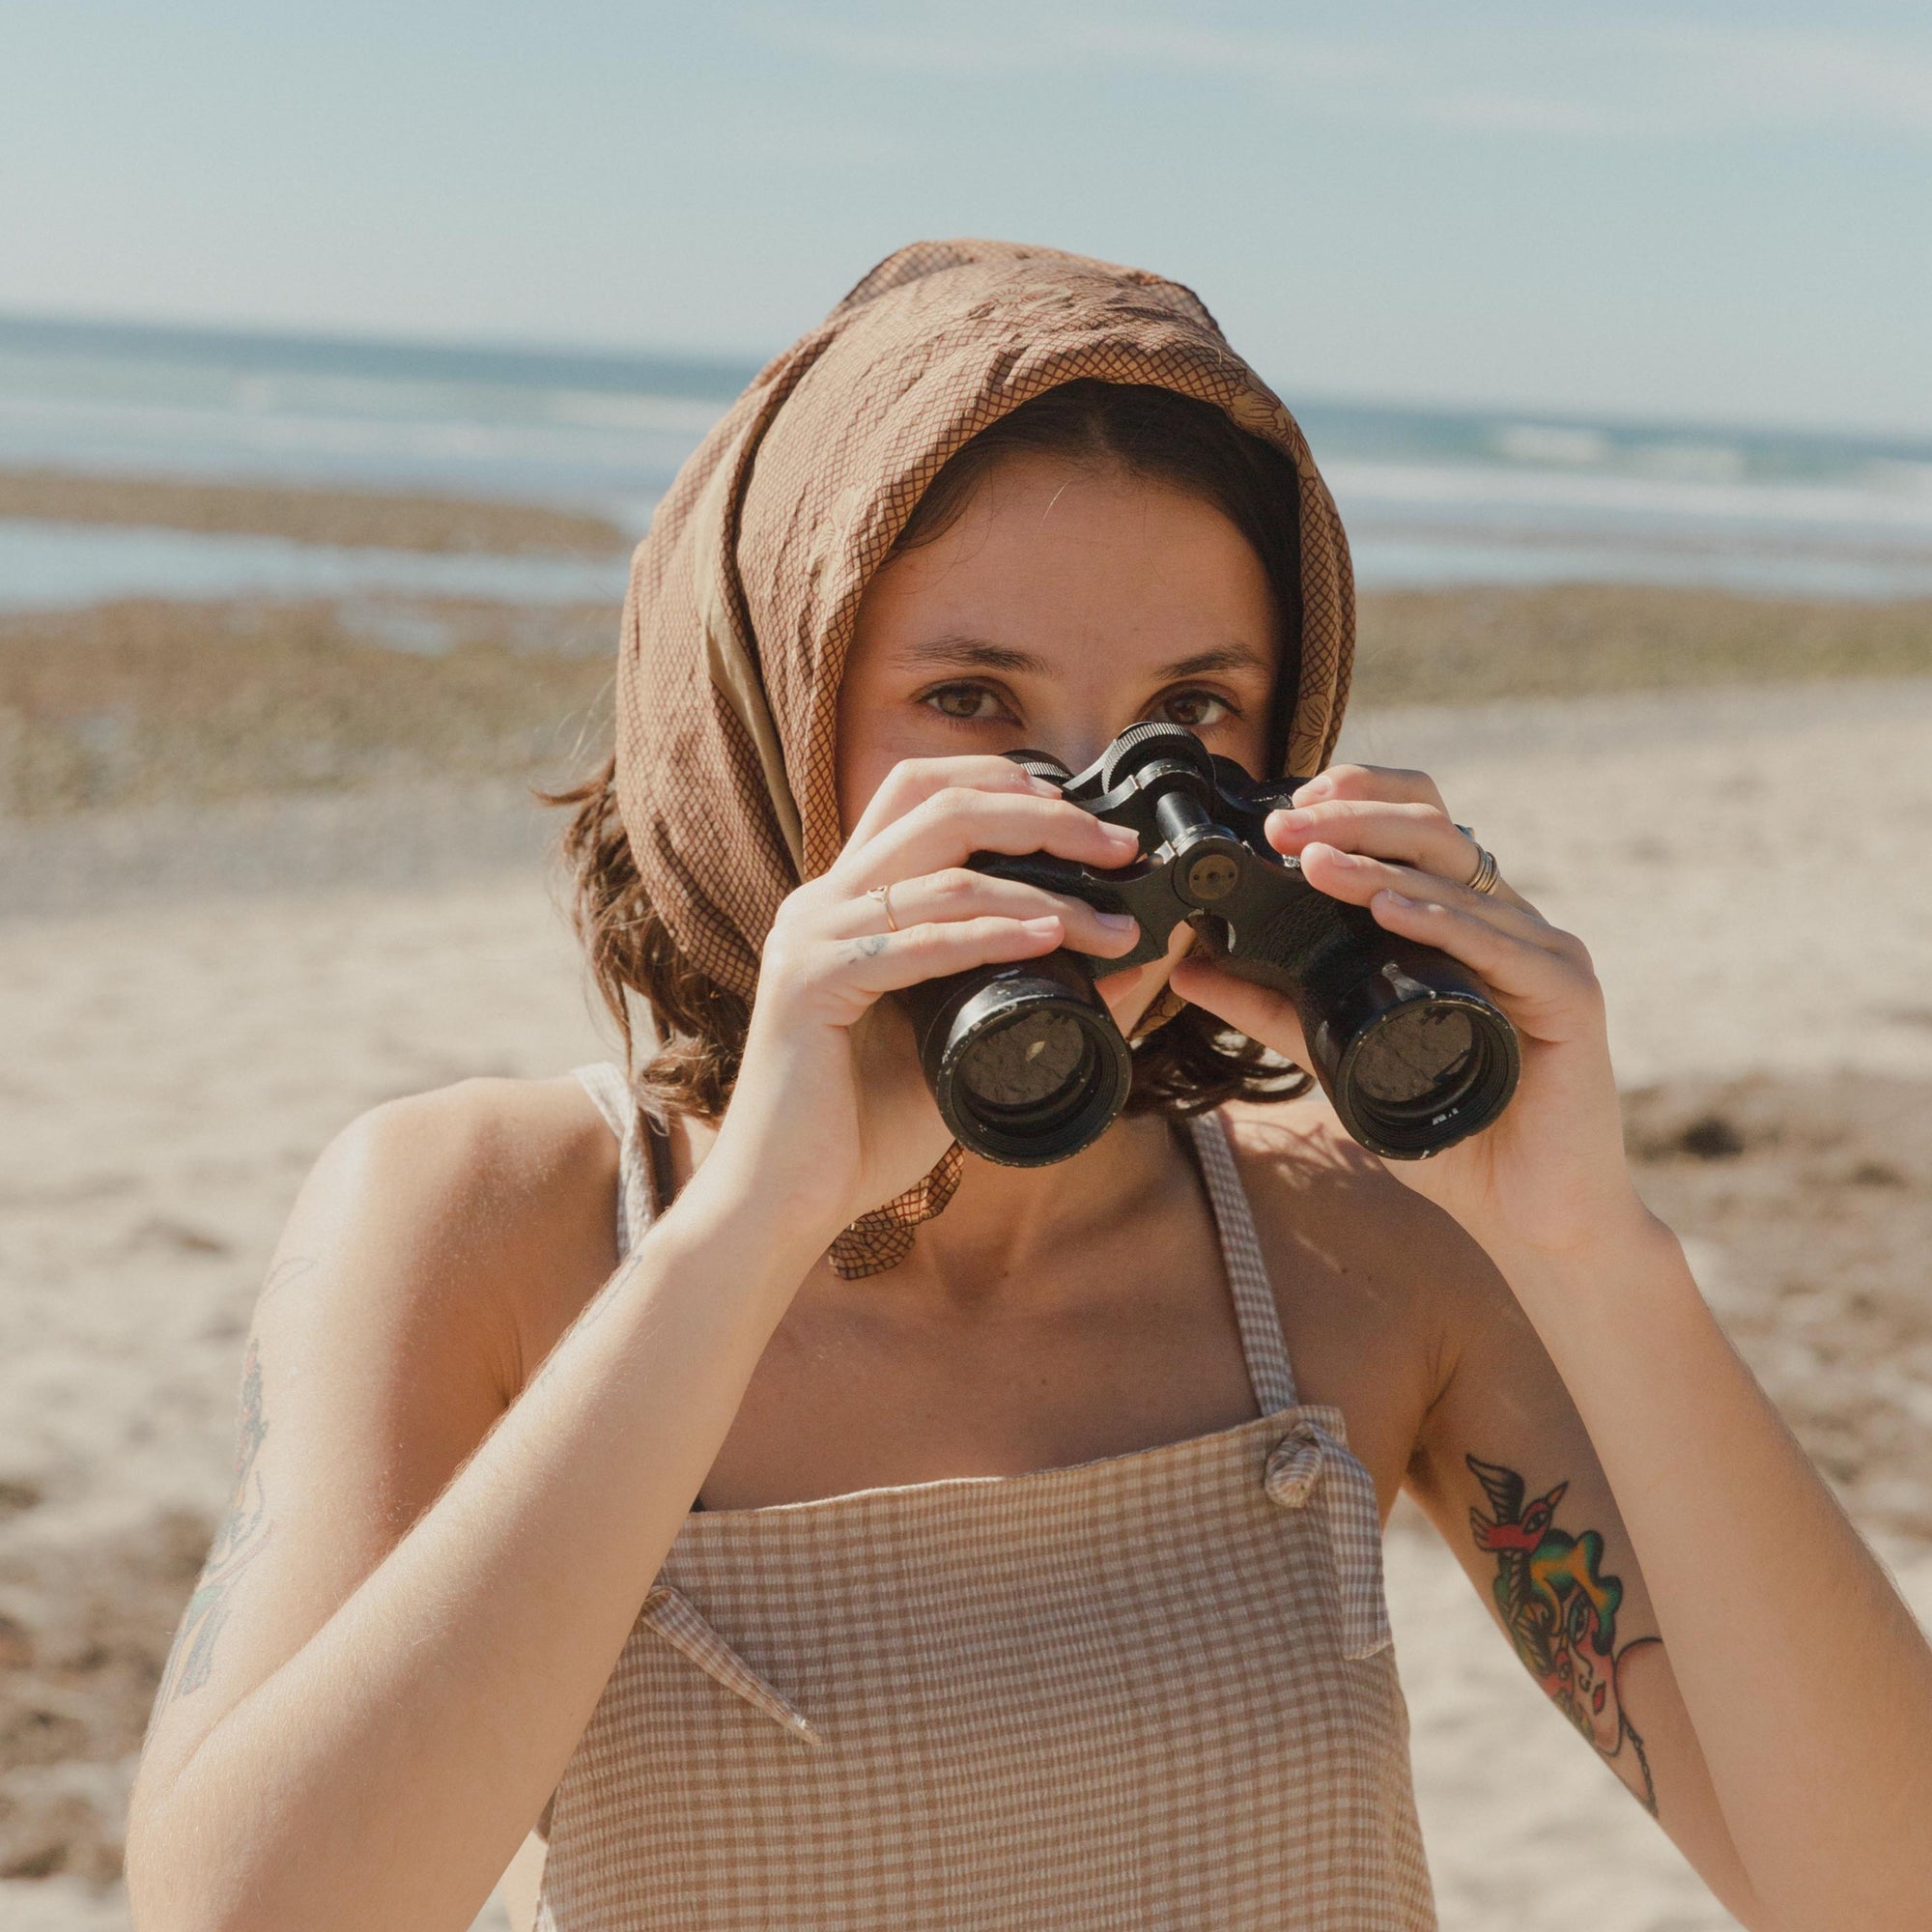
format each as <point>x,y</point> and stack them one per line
<point>343,355</point>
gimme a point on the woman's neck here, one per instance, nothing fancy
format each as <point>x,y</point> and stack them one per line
<point>1008,1231</point>
<point>1008,1228</point>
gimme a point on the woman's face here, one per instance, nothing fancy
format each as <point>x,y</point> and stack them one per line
<point>1065,602</point>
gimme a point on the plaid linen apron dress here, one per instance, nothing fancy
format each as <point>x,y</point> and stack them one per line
<point>1151,1691</point>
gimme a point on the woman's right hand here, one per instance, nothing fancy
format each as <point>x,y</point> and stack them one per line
<point>830,1116</point>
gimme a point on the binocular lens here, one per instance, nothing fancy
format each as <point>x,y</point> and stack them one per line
<point>1025,1061</point>
<point>1036,1084</point>
<point>1416,1054</point>
<point>1426,1074</point>
<point>1029,1065</point>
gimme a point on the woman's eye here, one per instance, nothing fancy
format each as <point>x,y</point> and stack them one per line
<point>970,703</point>
<point>1197,710</point>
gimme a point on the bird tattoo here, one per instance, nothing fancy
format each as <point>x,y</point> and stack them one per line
<point>1560,1609</point>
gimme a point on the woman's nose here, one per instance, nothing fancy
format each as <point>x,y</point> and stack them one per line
<point>1078,746</point>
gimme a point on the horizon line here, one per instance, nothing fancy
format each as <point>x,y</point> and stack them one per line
<point>612,359</point>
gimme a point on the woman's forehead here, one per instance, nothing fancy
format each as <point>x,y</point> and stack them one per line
<point>1050,557</point>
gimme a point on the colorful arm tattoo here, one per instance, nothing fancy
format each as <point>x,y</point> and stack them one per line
<point>237,1543</point>
<point>1560,1610</point>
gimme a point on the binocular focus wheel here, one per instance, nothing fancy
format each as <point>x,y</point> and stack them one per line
<point>1141,744</point>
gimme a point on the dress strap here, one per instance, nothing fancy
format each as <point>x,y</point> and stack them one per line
<point>611,1094</point>
<point>1262,1340</point>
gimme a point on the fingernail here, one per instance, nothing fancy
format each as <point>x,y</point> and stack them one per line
<point>1122,835</point>
<point>1393,897</point>
<point>1319,787</point>
<point>1294,821</point>
<point>1337,857</point>
<point>1116,921</point>
<point>1043,928</point>
<point>1044,787</point>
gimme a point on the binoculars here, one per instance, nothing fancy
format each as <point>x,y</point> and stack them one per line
<point>1027,1064</point>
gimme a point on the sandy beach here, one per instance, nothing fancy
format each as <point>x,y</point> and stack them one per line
<point>205,976</point>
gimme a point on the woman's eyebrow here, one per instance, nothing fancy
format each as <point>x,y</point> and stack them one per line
<point>1223,657</point>
<point>959,652</point>
<point>964,653</point>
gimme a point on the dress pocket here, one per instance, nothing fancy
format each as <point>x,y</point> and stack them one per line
<point>676,1619</point>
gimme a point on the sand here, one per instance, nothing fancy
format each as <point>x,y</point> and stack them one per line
<point>200,993</point>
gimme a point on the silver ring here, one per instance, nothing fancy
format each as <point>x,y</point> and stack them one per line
<point>884,895</point>
<point>1485,875</point>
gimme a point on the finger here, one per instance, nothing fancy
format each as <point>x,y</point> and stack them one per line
<point>1390,782</point>
<point>958,894</point>
<point>913,780</point>
<point>1517,952</point>
<point>1129,991</point>
<point>1416,834</point>
<point>886,962</point>
<point>1522,973</point>
<point>1356,878</point>
<point>948,828</point>
<point>1258,1011</point>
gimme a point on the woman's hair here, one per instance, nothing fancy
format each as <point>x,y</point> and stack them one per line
<point>1190,1064</point>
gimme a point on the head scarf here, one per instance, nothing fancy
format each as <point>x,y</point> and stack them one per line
<point>744,597</point>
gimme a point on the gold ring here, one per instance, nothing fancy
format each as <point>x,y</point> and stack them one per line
<point>884,895</point>
<point>1485,875</point>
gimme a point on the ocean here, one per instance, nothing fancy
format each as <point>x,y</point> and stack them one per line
<point>1431,497</point>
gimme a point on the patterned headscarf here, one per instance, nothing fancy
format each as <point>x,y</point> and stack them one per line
<point>745,595</point>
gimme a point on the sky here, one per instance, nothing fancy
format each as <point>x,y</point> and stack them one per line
<point>1719,212</point>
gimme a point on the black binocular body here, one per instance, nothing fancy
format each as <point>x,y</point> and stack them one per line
<point>1027,1064</point>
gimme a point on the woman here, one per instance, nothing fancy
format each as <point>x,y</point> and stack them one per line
<point>899,1540</point>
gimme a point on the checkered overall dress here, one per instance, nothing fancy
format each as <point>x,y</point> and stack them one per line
<point>1154,1691</point>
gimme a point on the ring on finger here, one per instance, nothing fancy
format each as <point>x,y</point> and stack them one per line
<point>884,895</point>
<point>1484,878</point>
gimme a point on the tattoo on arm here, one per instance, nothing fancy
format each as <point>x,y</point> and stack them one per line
<point>290,1268</point>
<point>588,1317</point>
<point>238,1542</point>
<point>1560,1610</point>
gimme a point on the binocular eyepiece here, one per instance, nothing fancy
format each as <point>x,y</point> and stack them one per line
<point>1027,1064</point>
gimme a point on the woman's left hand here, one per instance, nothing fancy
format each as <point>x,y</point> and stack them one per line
<point>1550,1173</point>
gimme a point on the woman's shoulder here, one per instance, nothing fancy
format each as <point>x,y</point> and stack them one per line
<point>516,1127</point>
<point>493,1198</point>
<point>1366,1270</point>
<point>1313,1187</point>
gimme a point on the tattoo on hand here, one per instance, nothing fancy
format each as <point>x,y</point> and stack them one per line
<point>1560,1610</point>
<point>871,944</point>
<point>238,1542</point>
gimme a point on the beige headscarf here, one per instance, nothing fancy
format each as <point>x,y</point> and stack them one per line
<point>745,595</point>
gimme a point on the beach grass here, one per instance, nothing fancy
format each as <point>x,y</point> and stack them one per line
<point>144,700</point>
<point>139,702</point>
<point>1574,641</point>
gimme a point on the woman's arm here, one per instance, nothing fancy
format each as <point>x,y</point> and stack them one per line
<point>1507,1470</point>
<point>1804,1680</point>
<point>1781,1731</point>
<point>363,1715</point>
<point>430,1565</point>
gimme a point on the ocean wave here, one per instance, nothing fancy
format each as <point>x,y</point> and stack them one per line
<point>1895,496</point>
<point>1504,490</point>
